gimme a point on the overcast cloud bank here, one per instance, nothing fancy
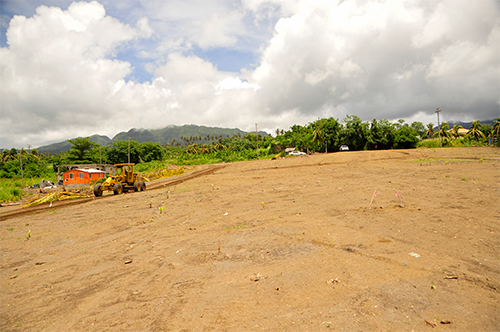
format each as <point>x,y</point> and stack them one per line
<point>63,74</point>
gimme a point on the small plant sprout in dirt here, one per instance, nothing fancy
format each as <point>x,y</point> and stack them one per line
<point>373,196</point>
<point>399,196</point>
<point>263,205</point>
<point>162,208</point>
<point>150,203</point>
<point>29,235</point>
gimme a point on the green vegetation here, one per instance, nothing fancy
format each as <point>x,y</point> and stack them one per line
<point>322,135</point>
<point>10,190</point>
<point>428,143</point>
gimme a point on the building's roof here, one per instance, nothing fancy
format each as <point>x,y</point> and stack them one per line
<point>90,170</point>
<point>461,131</point>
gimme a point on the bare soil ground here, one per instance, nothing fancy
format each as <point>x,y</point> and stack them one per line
<point>285,245</point>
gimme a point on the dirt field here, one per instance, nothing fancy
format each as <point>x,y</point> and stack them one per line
<point>284,245</point>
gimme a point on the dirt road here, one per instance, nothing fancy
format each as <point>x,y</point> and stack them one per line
<point>295,244</point>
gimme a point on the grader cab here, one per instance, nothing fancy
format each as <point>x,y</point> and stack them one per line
<point>124,180</point>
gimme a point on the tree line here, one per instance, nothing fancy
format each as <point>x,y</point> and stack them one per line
<point>322,135</point>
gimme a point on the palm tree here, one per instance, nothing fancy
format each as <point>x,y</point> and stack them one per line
<point>193,149</point>
<point>430,130</point>
<point>317,136</point>
<point>474,131</point>
<point>456,129</point>
<point>496,128</point>
<point>444,130</point>
<point>220,146</point>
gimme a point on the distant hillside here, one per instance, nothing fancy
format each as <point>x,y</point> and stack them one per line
<point>65,145</point>
<point>168,134</point>
<point>467,125</point>
<point>162,136</point>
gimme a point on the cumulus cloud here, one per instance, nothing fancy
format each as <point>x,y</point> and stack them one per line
<point>61,76</point>
<point>58,70</point>
<point>383,59</point>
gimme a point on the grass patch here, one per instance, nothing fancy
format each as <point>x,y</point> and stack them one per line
<point>150,166</point>
<point>428,143</point>
<point>11,190</point>
<point>239,226</point>
<point>459,142</point>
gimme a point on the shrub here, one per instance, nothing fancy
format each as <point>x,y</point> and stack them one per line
<point>428,143</point>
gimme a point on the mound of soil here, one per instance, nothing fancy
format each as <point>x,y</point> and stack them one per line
<point>396,240</point>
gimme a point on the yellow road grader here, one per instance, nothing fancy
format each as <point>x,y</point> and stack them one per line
<point>124,180</point>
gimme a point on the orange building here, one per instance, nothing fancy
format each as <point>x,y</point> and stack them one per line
<point>82,176</point>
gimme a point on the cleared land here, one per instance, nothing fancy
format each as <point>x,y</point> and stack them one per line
<point>285,245</point>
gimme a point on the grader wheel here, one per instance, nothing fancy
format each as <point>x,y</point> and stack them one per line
<point>117,189</point>
<point>97,190</point>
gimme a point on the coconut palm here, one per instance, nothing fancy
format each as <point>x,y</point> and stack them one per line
<point>475,132</point>
<point>444,131</point>
<point>193,149</point>
<point>219,146</point>
<point>317,136</point>
<point>11,154</point>
<point>496,128</point>
<point>430,130</point>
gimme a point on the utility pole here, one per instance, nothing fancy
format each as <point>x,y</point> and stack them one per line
<point>129,150</point>
<point>21,162</point>
<point>100,156</point>
<point>257,136</point>
<point>439,127</point>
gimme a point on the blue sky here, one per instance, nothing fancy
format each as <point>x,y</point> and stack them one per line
<point>243,55</point>
<point>101,67</point>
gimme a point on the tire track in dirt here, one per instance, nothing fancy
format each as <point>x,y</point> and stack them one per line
<point>60,204</point>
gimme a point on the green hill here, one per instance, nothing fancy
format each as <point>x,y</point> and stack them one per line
<point>65,145</point>
<point>168,135</point>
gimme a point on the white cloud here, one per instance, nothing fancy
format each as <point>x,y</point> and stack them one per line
<point>380,59</point>
<point>56,76</point>
<point>144,28</point>
<point>182,70</point>
<point>234,83</point>
<point>205,24</point>
<point>375,59</point>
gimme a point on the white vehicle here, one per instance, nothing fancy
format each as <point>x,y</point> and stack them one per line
<point>296,153</point>
<point>344,148</point>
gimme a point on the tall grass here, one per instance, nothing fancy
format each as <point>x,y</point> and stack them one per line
<point>11,190</point>
<point>428,143</point>
<point>450,143</point>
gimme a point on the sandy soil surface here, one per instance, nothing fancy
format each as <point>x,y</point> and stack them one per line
<point>274,245</point>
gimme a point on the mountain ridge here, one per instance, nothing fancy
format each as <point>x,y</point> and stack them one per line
<point>167,135</point>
